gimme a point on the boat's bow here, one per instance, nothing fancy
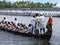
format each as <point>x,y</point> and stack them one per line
<point>48,33</point>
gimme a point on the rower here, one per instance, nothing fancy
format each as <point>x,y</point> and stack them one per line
<point>4,21</point>
<point>15,23</point>
<point>30,28</point>
<point>24,26</point>
<point>20,26</point>
<point>9,26</point>
<point>12,25</point>
<point>6,24</point>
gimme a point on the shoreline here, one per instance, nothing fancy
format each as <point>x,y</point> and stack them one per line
<point>29,13</point>
<point>31,16</point>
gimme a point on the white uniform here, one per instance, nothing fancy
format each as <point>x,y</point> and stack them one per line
<point>41,19</point>
<point>30,29</point>
<point>33,22</point>
<point>15,22</point>
<point>5,20</point>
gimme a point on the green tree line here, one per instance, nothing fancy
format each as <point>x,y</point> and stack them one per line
<point>25,4</point>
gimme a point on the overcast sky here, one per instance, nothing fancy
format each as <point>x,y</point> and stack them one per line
<point>42,1</point>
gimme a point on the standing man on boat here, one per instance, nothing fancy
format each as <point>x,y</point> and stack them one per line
<point>49,22</point>
<point>41,23</point>
<point>36,24</point>
<point>33,24</point>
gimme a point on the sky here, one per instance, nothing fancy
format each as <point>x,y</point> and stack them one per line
<point>42,1</point>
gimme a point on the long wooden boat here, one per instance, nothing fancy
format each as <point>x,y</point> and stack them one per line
<point>45,36</point>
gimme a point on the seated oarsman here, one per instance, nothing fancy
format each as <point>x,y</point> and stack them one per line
<point>30,29</point>
<point>4,19</point>
<point>15,27</point>
<point>24,26</point>
<point>15,23</point>
<point>21,26</point>
<point>9,26</point>
<point>18,27</point>
<point>3,24</point>
<point>6,24</point>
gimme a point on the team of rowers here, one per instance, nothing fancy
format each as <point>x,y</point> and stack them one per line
<point>36,26</point>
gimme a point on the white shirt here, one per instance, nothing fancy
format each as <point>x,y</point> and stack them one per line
<point>15,22</point>
<point>30,29</point>
<point>41,19</point>
<point>33,22</point>
<point>5,20</point>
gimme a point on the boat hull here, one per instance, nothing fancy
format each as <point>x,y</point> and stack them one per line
<point>45,36</point>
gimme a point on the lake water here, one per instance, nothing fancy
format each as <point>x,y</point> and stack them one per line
<point>11,39</point>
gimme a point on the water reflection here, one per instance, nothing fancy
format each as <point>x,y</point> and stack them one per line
<point>32,42</point>
<point>7,38</point>
<point>42,42</point>
<point>36,42</point>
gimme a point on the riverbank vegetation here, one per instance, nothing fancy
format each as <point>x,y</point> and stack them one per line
<point>25,4</point>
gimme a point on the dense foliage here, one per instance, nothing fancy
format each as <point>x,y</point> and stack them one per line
<point>25,4</point>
